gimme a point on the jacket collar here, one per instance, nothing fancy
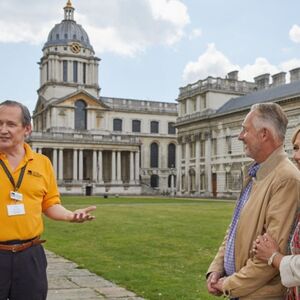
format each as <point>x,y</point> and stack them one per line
<point>269,164</point>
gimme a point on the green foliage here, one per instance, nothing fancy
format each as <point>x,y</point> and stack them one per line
<point>159,248</point>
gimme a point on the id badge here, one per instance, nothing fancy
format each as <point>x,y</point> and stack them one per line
<point>16,196</point>
<point>16,209</point>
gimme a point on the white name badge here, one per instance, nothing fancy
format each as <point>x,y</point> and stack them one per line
<point>15,209</point>
<point>16,196</point>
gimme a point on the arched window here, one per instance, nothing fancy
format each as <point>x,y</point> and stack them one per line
<point>80,115</point>
<point>170,181</point>
<point>154,155</point>
<point>117,125</point>
<point>154,181</point>
<point>171,156</point>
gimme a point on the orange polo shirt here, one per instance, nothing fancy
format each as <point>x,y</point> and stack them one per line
<point>39,190</point>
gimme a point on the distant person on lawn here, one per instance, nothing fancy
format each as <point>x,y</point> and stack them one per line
<point>268,199</point>
<point>28,190</point>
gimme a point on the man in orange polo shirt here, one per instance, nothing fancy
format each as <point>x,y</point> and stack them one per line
<point>28,190</point>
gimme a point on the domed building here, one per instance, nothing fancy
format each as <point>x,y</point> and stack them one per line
<point>98,145</point>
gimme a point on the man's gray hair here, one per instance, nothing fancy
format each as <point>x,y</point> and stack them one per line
<point>271,116</point>
<point>26,117</point>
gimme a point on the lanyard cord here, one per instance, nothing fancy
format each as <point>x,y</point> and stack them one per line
<point>11,179</point>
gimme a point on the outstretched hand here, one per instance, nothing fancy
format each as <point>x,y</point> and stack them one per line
<point>83,214</point>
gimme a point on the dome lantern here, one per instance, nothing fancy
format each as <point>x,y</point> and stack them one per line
<point>69,11</point>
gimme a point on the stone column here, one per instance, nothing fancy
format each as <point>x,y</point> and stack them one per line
<point>113,166</point>
<point>187,164</point>
<point>61,164</point>
<point>119,169</point>
<point>54,159</point>
<point>80,177</point>
<point>132,170</point>
<point>137,166</point>
<point>94,165</point>
<point>178,166</point>
<point>208,164</point>
<point>100,167</point>
<point>197,166</point>
<point>75,164</point>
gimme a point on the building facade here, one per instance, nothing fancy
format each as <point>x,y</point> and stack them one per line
<point>98,145</point>
<point>211,111</point>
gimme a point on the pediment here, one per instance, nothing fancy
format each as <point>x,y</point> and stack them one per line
<point>91,101</point>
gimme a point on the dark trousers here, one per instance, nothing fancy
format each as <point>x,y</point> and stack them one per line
<point>23,274</point>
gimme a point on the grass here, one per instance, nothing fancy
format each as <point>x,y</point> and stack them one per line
<point>158,248</point>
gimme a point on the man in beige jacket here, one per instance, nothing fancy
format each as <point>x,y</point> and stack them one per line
<point>268,202</point>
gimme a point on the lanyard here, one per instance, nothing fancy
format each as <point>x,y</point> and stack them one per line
<point>11,179</point>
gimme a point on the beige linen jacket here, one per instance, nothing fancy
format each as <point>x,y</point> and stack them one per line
<point>271,207</point>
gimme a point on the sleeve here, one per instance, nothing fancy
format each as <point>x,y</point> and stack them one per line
<point>290,270</point>
<point>217,264</point>
<point>278,221</point>
<point>51,196</point>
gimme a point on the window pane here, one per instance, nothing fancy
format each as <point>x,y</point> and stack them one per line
<point>171,128</point>
<point>117,125</point>
<point>171,156</point>
<point>75,71</point>
<point>80,115</point>
<point>154,155</point>
<point>136,126</point>
<point>65,70</point>
<point>154,127</point>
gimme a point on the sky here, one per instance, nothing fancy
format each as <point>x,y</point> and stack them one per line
<point>150,48</point>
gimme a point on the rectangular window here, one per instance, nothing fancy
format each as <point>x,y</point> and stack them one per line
<point>65,70</point>
<point>202,148</point>
<point>154,127</point>
<point>136,126</point>
<point>47,71</point>
<point>84,73</point>
<point>214,146</point>
<point>171,128</point>
<point>75,71</point>
<point>192,149</point>
<point>183,151</point>
<point>117,125</point>
<point>228,143</point>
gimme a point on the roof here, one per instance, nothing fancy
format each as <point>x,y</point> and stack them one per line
<point>68,31</point>
<point>271,94</point>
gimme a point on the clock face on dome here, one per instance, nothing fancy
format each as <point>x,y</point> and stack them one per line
<point>75,47</point>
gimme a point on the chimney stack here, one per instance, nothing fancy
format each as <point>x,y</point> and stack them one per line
<point>233,75</point>
<point>278,79</point>
<point>262,81</point>
<point>295,74</point>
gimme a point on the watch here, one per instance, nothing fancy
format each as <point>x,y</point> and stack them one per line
<point>270,260</point>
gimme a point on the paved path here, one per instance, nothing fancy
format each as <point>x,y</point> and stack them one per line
<point>68,282</point>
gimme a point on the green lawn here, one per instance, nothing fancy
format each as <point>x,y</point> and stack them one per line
<point>158,248</point>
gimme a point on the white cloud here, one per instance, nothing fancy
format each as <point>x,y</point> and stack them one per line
<point>124,27</point>
<point>211,63</point>
<point>197,32</point>
<point>260,66</point>
<point>214,63</point>
<point>294,33</point>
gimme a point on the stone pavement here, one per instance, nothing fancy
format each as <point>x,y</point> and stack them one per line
<point>68,282</point>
